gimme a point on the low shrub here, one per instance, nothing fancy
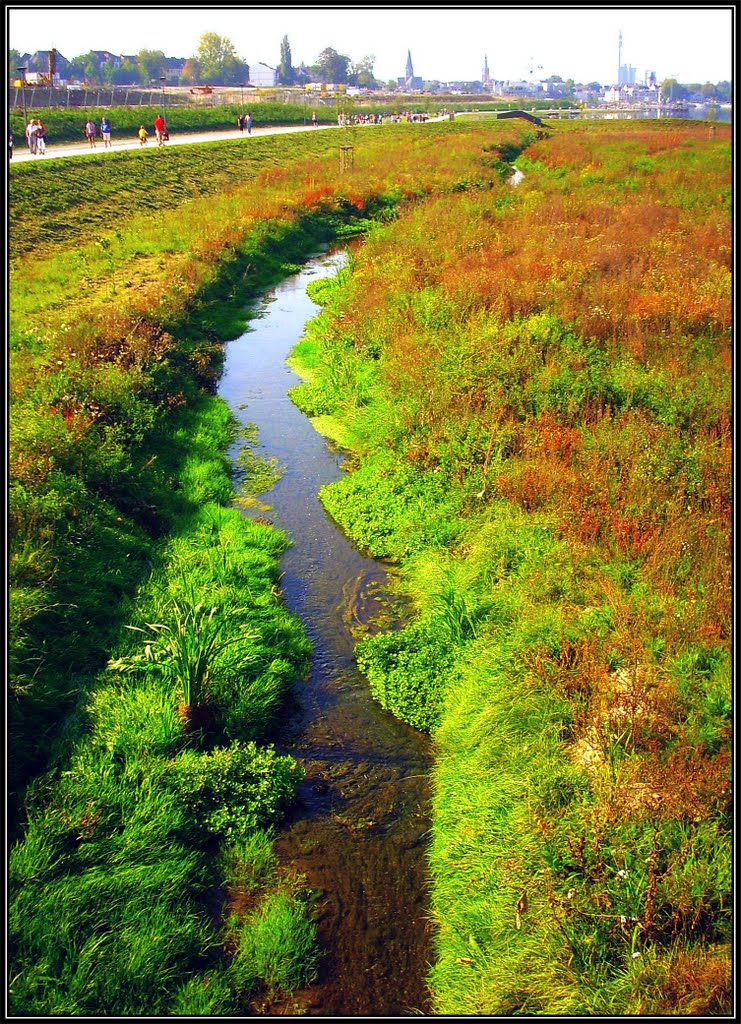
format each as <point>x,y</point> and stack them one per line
<point>409,671</point>
<point>232,791</point>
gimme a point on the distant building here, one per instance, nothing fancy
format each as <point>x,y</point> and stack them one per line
<point>106,57</point>
<point>173,69</point>
<point>44,67</point>
<point>626,72</point>
<point>626,75</point>
<point>410,82</point>
<point>628,94</point>
<point>263,76</point>
<point>485,78</point>
<point>522,87</point>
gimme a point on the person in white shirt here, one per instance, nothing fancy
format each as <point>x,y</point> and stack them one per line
<point>31,129</point>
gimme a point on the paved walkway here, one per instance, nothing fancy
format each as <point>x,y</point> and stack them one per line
<point>65,149</point>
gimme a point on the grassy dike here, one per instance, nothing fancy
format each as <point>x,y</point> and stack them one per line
<point>535,388</point>
<point>149,651</point>
<point>68,125</point>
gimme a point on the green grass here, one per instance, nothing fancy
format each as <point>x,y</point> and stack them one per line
<point>540,438</point>
<point>115,854</point>
<point>82,199</point>
<point>277,947</point>
<point>68,125</point>
<point>114,857</point>
<point>548,468</point>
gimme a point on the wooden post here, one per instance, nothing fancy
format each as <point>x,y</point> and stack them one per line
<point>347,158</point>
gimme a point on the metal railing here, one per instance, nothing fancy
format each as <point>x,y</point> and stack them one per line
<point>41,97</point>
<point>45,96</point>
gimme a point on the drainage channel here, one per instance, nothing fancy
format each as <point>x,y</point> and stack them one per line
<point>358,833</point>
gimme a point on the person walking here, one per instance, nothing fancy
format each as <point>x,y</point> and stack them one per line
<point>105,132</point>
<point>10,144</point>
<point>31,136</point>
<point>90,132</point>
<point>142,133</point>
<point>159,129</point>
<point>40,137</point>
<point>314,119</point>
<point>240,122</point>
<point>248,123</point>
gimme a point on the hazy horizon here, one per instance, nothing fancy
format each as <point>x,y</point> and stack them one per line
<point>691,44</point>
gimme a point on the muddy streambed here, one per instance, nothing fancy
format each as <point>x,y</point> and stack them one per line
<point>358,833</point>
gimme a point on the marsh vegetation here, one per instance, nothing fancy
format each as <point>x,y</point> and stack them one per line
<point>534,386</point>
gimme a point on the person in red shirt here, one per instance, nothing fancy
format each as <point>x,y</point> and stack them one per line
<point>159,128</point>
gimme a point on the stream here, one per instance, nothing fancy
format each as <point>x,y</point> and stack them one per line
<point>358,833</point>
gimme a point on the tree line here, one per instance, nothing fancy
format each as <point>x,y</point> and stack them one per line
<point>215,62</point>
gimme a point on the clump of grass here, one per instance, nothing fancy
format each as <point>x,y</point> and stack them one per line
<point>277,947</point>
<point>187,649</point>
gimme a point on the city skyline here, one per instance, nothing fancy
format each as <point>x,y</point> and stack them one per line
<point>691,44</point>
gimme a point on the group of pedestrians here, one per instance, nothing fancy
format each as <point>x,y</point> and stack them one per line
<point>160,132</point>
<point>244,121</point>
<point>35,137</point>
<point>36,134</point>
<point>351,119</point>
<point>91,132</point>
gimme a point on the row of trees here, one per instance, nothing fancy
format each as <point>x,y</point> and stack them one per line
<point>671,88</point>
<point>94,68</point>
<point>330,66</point>
<point>215,62</point>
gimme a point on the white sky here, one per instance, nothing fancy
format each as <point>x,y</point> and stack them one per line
<point>691,44</point>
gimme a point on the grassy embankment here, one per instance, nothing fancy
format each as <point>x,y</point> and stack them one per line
<point>68,125</point>
<point>536,384</point>
<point>65,125</point>
<point>149,651</point>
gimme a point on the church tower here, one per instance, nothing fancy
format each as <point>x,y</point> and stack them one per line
<point>409,71</point>
<point>485,78</point>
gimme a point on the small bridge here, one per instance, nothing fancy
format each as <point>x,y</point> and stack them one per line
<point>520,113</point>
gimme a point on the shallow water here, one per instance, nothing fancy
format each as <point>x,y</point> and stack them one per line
<point>359,831</point>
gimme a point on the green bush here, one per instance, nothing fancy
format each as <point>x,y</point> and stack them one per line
<point>393,510</point>
<point>230,792</point>
<point>408,671</point>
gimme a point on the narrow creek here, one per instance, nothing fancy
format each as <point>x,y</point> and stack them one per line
<point>358,833</point>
